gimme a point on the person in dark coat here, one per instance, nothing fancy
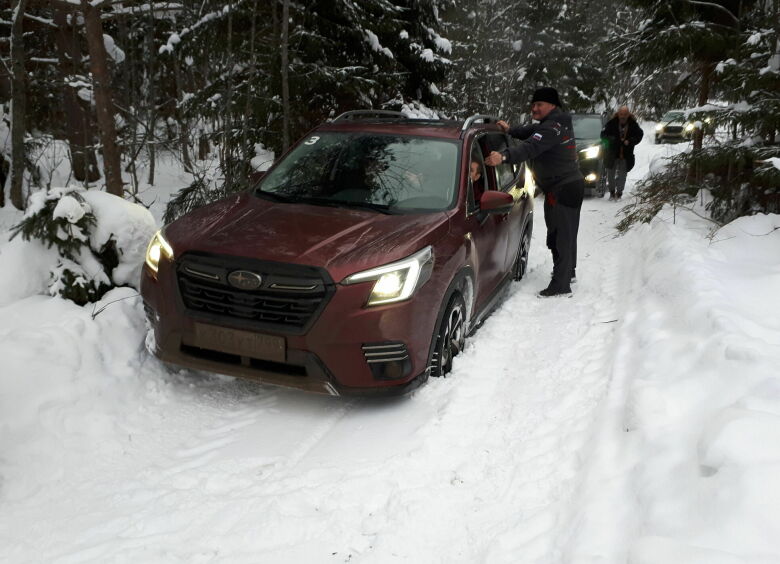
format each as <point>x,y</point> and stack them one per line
<point>619,136</point>
<point>552,154</point>
<point>477,182</point>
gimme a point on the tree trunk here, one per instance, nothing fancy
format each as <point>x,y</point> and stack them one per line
<point>704,96</point>
<point>18,99</point>
<point>183,122</point>
<point>227,145</point>
<point>285,74</point>
<point>151,99</point>
<point>77,117</point>
<point>249,88</point>
<point>104,107</point>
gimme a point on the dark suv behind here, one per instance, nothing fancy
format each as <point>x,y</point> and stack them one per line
<point>359,263</point>
<point>587,134</point>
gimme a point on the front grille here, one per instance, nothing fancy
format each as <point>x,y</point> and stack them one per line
<point>288,298</point>
<point>674,129</point>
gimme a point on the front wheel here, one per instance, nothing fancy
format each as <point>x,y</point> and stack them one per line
<point>521,262</point>
<point>601,186</point>
<point>450,336</point>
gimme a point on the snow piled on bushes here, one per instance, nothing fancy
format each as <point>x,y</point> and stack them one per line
<point>29,267</point>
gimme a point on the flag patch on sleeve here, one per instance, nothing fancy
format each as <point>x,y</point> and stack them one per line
<point>537,136</point>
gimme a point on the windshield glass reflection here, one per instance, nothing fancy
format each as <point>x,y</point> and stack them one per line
<point>586,127</point>
<point>384,172</point>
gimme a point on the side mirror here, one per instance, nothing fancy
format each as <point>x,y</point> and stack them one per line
<point>494,201</point>
<point>256,176</point>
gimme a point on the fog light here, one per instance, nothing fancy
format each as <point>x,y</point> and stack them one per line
<point>591,177</point>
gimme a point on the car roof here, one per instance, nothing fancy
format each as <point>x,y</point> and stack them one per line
<point>382,121</point>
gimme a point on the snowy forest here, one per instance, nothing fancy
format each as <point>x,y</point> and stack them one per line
<point>634,418</point>
<point>215,84</point>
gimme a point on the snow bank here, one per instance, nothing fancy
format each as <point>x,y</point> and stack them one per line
<point>24,269</point>
<point>30,267</point>
<point>688,463</point>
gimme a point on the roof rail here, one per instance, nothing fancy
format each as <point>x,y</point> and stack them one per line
<point>477,117</point>
<point>355,114</point>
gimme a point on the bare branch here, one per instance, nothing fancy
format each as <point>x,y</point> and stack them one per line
<point>714,5</point>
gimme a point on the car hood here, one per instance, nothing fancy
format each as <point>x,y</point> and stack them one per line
<point>342,240</point>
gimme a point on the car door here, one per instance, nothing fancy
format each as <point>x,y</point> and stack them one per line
<point>511,179</point>
<point>487,231</point>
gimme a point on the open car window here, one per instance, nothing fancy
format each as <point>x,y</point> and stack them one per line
<point>505,173</point>
<point>476,187</point>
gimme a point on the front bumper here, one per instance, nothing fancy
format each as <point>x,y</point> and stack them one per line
<point>332,356</point>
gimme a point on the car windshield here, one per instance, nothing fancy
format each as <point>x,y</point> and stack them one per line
<point>388,173</point>
<point>672,116</point>
<point>586,127</point>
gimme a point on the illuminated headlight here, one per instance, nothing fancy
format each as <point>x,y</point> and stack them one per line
<point>659,127</point>
<point>396,281</point>
<point>158,247</point>
<point>591,177</point>
<point>707,120</point>
<point>690,127</point>
<point>591,152</point>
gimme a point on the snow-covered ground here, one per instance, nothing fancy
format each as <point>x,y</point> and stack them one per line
<point>638,421</point>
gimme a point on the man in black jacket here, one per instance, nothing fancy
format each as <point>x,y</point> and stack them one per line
<point>620,134</point>
<point>550,149</point>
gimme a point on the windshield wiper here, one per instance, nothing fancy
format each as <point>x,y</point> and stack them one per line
<point>281,196</point>
<point>318,201</point>
<point>274,196</point>
<point>381,208</point>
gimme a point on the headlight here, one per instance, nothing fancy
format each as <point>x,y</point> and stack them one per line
<point>158,247</point>
<point>659,127</point>
<point>689,127</point>
<point>396,281</point>
<point>591,152</point>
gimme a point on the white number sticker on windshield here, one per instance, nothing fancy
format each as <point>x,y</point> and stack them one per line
<point>311,141</point>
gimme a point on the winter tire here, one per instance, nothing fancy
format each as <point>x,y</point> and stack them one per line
<point>601,186</point>
<point>520,266</point>
<point>450,336</point>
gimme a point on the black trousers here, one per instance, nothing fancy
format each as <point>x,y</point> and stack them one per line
<point>562,217</point>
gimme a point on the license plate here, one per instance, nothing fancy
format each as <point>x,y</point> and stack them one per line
<point>242,343</point>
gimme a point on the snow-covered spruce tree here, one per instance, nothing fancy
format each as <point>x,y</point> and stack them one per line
<point>503,51</point>
<point>739,168</point>
<point>349,55</point>
<point>100,240</point>
<point>63,219</point>
<point>342,55</point>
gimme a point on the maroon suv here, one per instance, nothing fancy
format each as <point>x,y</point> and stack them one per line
<point>359,262</point>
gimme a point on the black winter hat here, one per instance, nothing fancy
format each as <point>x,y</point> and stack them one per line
<point>547,94</point>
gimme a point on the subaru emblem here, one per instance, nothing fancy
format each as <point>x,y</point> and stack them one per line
<point>244,280</point>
